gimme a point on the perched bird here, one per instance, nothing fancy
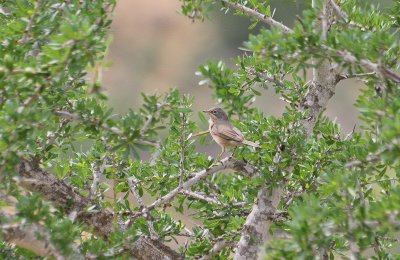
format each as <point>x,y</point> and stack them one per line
<point>223,132</point>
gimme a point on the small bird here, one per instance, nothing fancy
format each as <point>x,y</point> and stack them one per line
<point>223,132</point>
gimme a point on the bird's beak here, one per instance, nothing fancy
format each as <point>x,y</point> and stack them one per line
<point>206,111</point>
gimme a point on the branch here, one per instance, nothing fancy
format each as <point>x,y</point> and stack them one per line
<point>227,163</point>
<point>258,222</point>
<point>28,28</point>
<point>115,130</point>
<point>149,120</point>
<point>339,11</point>
<point>182,150</point>
<point>323,84</point>
<point>352,225</point>
<point>372,158</point>
<point>264,211</point>
<point>356,75</point>
<point>78,118</point>
<point>34,237</point>
<point>380,180</point>
<point>97,173</point>
<point>146,126</point>
<point>259,16</point>
<point>156,154</point>
<point>64,196</point>
<point>67,198</point>
<point>217,248</point>
<point>367,64</point>
<point>347,56</point>
<point>199,196</point>
<point>133,188</point>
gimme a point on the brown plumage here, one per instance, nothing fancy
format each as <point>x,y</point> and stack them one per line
<point>222,131</point>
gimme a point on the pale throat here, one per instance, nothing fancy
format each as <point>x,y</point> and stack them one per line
<point>211,123</point>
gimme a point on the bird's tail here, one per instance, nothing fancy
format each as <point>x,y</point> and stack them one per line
<point>251,143</point>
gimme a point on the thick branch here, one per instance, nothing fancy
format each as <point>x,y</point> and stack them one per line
<point>64,196</point>
<point>366,64</point>
<point>34,237</point>
<point>256,230</point>
<point>258,223</point>
<point>323,84</point>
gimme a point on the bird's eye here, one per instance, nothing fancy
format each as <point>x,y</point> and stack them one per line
<point>213,111</point>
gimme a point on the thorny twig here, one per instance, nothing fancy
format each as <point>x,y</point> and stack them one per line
<point>146,215</point>
<point>182,150</point>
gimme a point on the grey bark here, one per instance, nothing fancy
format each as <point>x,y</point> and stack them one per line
<point>256,229</point>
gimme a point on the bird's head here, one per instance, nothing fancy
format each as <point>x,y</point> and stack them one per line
<point>216,114</point>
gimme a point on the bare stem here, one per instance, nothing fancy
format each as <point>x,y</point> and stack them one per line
<point>182,150</point>
<point>133,188</point>
<point>261,17</point>
<point>226,163</point>
<point>203,197</point>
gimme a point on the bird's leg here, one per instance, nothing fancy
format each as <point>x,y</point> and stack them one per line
<point>221,153</point>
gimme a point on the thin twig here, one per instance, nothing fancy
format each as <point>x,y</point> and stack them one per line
<point>352,225</point>
<point>350,135</point>
<point>97,172</point>
<point>226,163</point>
<point>29,26</point>
<point>380,180</point>
<point>182,150</point>
<point>202,197</point>
<point>115,130</point>
<point>156,154</point>
<point>199,133</point>
<point>261,17</point>
<point>367,64</point>
<point>340,77</point>
<point>150,119</point>
<point>143,207</point>
<point>216,249</point>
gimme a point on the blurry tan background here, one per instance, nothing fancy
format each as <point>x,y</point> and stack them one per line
<point>155,48</point>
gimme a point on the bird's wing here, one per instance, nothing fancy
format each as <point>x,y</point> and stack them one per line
<point>229,133</point>
<point>237,131</point>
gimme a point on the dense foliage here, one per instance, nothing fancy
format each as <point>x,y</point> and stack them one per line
<point>339,193</point>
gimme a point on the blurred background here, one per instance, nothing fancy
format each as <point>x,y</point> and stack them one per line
<point>155,48</point>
